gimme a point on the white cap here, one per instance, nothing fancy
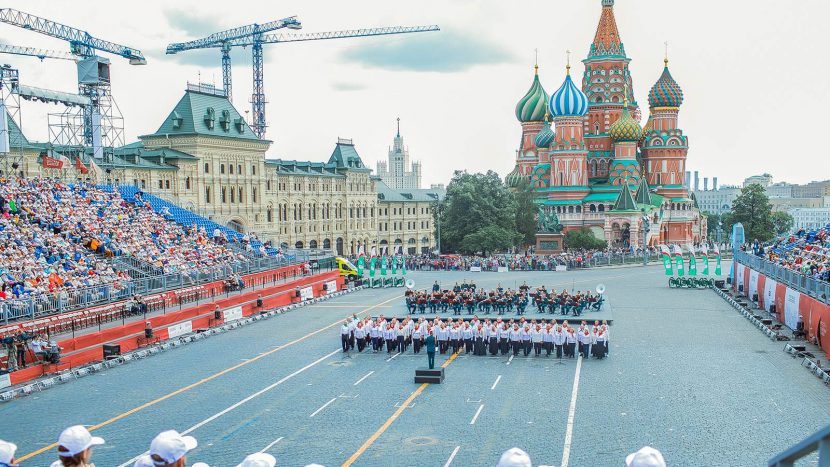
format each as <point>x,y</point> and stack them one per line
<point>645,457</point>
<point>514,457</point>
<point>7,451</point>
<point>76,439</point>
<point>259,459</point>
<point>170,446</point>
<point>144,461</point>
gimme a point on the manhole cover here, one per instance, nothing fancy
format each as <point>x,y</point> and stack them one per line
<point>421,441</point>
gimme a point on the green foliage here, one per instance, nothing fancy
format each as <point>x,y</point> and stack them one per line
<point>488,240</point>
<point>782,222</point>
<point>583,238</point>
<point>473,203</point>
<point>752,209</point>
<point>525,212</point>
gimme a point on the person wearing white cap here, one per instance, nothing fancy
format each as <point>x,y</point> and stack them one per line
<point>168,449</point>
<point>144,461</point>
<point>75,447</point>
<point>7,451</point>
<point>645,457</point>
<point>514,457</point>
<point>259,459</point>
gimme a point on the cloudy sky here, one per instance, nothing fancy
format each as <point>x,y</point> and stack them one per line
<point>753,74</point>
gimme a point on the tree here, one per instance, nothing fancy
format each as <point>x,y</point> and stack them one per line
<point>525,212</point>
<point>487,240</point>
<point>583,239</point>
<point>782,222</point>
<point>752,209</point>
<point>474,202</point>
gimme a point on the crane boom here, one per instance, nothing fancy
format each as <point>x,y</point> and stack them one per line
<point>33,52</point>
<point>317,36</point>
<point>249,31</point>
<point>82,43</point>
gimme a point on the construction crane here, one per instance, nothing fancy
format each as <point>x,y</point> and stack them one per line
<point>38,53</point>
<point>256,38</point>
<point>93,71</point>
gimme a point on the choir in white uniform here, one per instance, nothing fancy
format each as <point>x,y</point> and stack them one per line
<point>477,337</point>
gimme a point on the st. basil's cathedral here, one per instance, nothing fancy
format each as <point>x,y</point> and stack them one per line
<point>587,158</point>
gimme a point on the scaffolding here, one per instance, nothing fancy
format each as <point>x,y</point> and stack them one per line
<point>11,132</point>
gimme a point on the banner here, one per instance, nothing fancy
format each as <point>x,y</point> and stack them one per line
<point>232,314</point>
<point>717,260</point>
<point>306,293</point>
<point>383,265</point>
<point>372,266</point>
<point>361,265</point>
<point>791,304</point>
<point>50,163</point>
<point>704,250</point>
<point>180,329</point>
<point>692,260</point>
<point>395,265</point>
<point>97,173</point>
<point>80,166</point>
<point>739,275</point>
<point>403,267</point>
<point>331,287</point>
<point>666,254</point>
<point>678,259</point>
<point>769,293</point>
<point>753,284</point>
<point>5,381</point>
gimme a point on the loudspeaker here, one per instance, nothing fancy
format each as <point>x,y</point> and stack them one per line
<point>217,315</point>
<point>111,351</point>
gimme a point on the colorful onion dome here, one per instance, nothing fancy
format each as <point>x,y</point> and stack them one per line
<point>626,128</point>
<point>568,100</point>
<point>531,107</point>
<point>545,137</point>
<point>665,92</point>
<point>637,114</point>
<point>514,178</point>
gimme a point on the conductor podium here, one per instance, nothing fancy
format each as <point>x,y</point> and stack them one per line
<point>425,375</point>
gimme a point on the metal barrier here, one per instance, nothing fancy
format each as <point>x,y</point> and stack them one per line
<point>818,441</point>
<point>813,287</point>
<point>69,300</point>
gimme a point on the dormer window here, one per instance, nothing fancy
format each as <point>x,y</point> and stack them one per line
<point>239,123</point>
<point>225,121</point>
<point>210,118</point>
<point>177,120</point>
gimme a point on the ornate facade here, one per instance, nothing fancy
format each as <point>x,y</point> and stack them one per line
<point>595,166</point>
<point>205,158</point>
<point>398,172</point>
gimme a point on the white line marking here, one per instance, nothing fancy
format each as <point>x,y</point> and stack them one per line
<point>393,356</point>
<point>361,379</point>
<point>452,456</point>
<point>241,402</point>
<point>475,417</point>
<point>510,359</point>
<point>566,451</point>
<point>272,444</point>
<point>321,408</point>
<point>497,382</point>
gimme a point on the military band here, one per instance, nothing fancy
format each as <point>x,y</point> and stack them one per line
<point>466,298</point>
<point>498,336</point>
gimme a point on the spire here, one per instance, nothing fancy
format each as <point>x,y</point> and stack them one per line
<point>625,202</point>
<point>643,196</point>
<point>399,127</point>
<point>607,38</point>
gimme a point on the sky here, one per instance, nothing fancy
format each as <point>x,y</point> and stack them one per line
<point>753,74</point>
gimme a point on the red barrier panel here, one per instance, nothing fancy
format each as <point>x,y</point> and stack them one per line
<point>87,348</point>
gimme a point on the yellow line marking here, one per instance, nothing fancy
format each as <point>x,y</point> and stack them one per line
<point>391,419</point>
<point>200,382</point>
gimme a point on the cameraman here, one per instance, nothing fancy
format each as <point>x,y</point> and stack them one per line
<point>11,352</point>
<point>20,346</point>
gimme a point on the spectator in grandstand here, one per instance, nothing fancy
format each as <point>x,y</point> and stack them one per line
<point>75,447</point>
<point>169,449</point>
<point>7,451</point>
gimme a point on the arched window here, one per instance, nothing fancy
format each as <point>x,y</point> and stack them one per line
<point>207,194</point>
<point>238,169</point>
<point>221,168</point>
<point>233,192</point>
<point>253,194</point>
<point>592,208</point>
<point>207,168</point>
<point>312,244</point>
<point>253,170</point>
<point>222,197</point>
<point>570,209</point>
<point>601,208</point>
<point>298,245</point>
<point>269,214</point>
<point>326,244</point>
<point>187,183</point>
<point>239,190</point>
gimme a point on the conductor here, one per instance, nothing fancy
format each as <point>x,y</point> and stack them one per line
<point>430,344</point>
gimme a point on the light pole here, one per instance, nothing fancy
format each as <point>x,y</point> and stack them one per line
<point>438,226</point>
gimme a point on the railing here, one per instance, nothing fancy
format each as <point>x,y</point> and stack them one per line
<point>69,300</point>
<point>818,441</point>
<point>813,287</point>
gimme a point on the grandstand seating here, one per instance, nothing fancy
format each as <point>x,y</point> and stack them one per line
<point>805,251</point>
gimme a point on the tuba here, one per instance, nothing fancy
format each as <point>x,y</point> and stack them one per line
<point>410,284</point>
<point>600,289</point>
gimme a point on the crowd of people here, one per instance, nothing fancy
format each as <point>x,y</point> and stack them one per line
<point>805,251</point>
<point>477,336</point>
<point>465,297</point>
<point>57,237</point>
<point>170,449</point>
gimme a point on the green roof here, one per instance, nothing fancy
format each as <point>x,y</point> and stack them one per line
<point>304,168</point>
<point>625,202</point>
<point>388,194</point>
<point>643,196</point>
<point>16,137</point>
<point>559,202</point>
<point>345,156</point>
<point>204,113</point>
<point>602,197</point>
